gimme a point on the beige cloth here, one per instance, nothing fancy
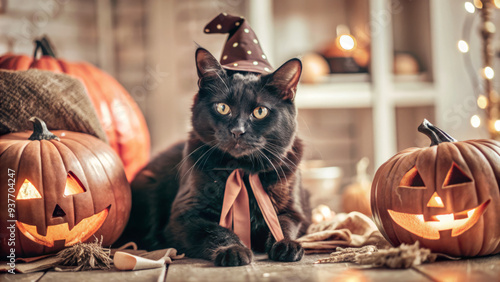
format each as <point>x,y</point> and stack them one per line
<point>58,99</point>
<point>50,261</point>
<point>344,230</point>
<point>125,261</point>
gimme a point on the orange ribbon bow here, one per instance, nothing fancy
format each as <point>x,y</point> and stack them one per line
<point>236,209</point>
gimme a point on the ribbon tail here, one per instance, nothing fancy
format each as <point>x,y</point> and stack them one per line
<point>242,225</point>
<point>235,214</point>
<point>233,187</point>
<point>266,207</point>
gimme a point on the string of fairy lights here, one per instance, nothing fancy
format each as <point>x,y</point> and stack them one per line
<point>487,97</point>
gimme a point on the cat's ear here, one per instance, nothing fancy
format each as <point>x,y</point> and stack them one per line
<point>206,63</point>
<point>286,78</point>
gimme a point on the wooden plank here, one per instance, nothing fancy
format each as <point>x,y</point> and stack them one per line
<point>384,116</point>
<point>29,277</point>
<point>263,269</point>
<point>148,275</point>
<point>475,269</point>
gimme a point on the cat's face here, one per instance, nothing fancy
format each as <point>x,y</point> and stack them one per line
<point>244,114</point>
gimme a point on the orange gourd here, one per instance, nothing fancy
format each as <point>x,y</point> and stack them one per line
<point>118,113</point>
<point>59,188</point>
<point>356,197</point>
<point>446,196</point>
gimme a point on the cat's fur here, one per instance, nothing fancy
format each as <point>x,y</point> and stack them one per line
<point>178,196</point>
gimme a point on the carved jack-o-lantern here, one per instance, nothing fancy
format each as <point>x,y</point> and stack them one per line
<point>446,196</point>
<point>65,188</point>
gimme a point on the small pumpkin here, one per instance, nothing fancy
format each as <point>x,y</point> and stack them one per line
<point>120,117</point>
<point>65,187</point>
<point>446,196</point>
<point>356,197</point>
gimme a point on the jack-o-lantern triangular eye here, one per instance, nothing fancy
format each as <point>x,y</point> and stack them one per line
<point>455,176</point>
<point>28,191</point>
<point>73,185</point>
<point>412,179</point>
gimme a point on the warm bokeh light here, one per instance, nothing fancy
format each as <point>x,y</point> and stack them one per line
<point>351,275</point>
<point>347,42</point>
<point>497,125</point>
<point>497,3</point>
<point>488,72</point>
<point>469,7</point>
<point>478,4</point>
<point>463,46</point>
<point>475,121</point>
<point>482,102</point>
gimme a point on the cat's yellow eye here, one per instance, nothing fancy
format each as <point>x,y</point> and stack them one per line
<point>260,112</point>
<point>223,109</point>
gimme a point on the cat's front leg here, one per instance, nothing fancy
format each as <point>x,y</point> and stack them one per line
<point>288,249</point>
<point>208,240</point>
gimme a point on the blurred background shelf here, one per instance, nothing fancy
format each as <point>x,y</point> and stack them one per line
<point>414,94</point>
<point>331,96</point>
<point>359,95</point>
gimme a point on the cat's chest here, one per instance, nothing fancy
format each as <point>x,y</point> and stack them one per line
<point>215,188</point>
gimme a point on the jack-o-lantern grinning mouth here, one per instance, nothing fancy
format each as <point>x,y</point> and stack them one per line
<point>79,233</point>
<point>457,222</point>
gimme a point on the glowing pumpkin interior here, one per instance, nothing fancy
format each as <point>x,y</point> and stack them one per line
<point>458,222</point>
<point>79,233</point>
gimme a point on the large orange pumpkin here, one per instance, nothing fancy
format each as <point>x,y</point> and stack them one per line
<point>120,116</point>
<point>57,190</point>
<point>446,196</point>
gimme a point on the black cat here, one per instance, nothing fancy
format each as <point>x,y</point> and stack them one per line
<point>240,121</point>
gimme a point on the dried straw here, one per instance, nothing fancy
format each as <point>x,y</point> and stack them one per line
<point>404,256</point>
<point>85,256</point>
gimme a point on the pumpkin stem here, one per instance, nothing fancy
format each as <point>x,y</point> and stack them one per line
<point>45,46</point>
<point>436,135</point>
<point>40,131</point>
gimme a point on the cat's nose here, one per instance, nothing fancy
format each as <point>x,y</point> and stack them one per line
<point>237,132</point>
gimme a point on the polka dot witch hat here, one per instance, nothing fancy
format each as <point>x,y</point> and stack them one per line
<point>242,51</point>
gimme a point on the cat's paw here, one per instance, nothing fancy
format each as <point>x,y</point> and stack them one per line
<point>286,250</point>
<point>233,255</point>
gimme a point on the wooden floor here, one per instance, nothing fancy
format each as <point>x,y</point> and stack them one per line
<point>485,269</point>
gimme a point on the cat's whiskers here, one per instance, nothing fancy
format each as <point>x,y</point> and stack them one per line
<point>190,170</point>
<point>208,157</point>
<point>274,167</point>
<point>293,169</point>
<point>280,159</point>
<point>270,146</point>
<point>190,154</point>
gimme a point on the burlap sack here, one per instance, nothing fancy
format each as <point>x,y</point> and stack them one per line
<point>58,99</point>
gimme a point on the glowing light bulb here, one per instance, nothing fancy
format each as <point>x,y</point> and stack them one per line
<point>482,102</point>
<point>347,42</point>
<point>489,73</point>
<point>497,125</point>
<point>497,3</point>
<point>478,4</point>
<point>475,121</point>
<point>469,7</point>
<point>463,46</point>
